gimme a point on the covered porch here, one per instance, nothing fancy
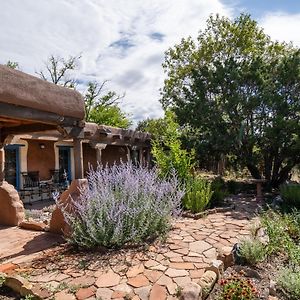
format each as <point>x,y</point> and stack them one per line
<point>30,105</point>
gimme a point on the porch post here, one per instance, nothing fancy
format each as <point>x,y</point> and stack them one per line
<point>2,164</point>
<point>99,147</point>
<point>148,157</point>
<point>141,156</point>
<point>78,159</point>
<point>128,154</point>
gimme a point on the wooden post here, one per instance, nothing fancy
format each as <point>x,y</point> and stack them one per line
<point>128,154</point>
<point>99,147</point>
<point>148,157</point>
<point>141,156</point>
<point>2,164</point>
<point>78,159</point>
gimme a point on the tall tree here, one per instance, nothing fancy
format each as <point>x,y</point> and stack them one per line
<point>58,70</point>
<point>12,64</point>
<point>238,93</point>
<point>103,107</point>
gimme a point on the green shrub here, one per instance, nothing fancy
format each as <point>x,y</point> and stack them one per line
<point>218,187</point>
<point>2,279</point>
<point>290,193</point>
<point>253,251</point>
<point>237,288</point>
<point>289,281</point>
<point>283,234</point>
<point>198,195</point>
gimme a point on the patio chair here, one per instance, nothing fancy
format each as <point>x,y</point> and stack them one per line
<point>59,180</point>
<point>31,185</point>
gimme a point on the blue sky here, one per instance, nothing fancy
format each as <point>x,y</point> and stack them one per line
<point>124,41</point>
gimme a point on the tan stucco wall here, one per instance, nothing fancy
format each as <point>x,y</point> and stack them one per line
<point>89,157</point>
<point>41,160</point>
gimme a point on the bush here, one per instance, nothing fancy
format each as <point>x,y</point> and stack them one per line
<point>237,288</point>
<point>289,281</point>
<point>252,251</point>
<point>123,205</point>
<point>198,195</point>
<point>290,193</point>
<point>219,191</point>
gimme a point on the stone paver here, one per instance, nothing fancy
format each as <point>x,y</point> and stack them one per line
<point>154,274</point>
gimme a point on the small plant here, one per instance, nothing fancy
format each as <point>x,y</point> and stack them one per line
<point>289,281</point>
<point>2,279</point>
<point>123,205</point>
<point>28,297</point>
<point>219,191</point>
<point>237,288</point>
<point>252,251</point>
<point>198,195</point>
<point>290,193</point>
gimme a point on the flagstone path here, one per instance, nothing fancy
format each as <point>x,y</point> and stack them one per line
<point>154,273</point>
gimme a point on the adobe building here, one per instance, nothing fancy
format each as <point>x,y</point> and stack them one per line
<point>43,136</point>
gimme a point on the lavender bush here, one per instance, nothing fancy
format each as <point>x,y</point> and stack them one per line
<point>123,205</point>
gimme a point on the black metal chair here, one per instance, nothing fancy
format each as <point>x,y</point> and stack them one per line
<point>31,185</point>
<point>59,180</point>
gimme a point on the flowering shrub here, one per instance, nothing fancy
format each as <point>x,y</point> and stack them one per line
<point>237,288</point>
<point>123,205</point>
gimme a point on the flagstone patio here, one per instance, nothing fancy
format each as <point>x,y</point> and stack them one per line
<point>156,272</point>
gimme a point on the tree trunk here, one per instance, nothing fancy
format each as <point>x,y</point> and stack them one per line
<point>254,171</point>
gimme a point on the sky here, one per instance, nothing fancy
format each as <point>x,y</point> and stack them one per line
<point>124,41</point>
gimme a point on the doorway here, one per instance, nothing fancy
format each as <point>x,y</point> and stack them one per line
<point>65,161</point>
<point>12,165</point>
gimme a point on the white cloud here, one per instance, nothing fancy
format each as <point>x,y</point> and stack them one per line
<point>102,31</point>
<point>282,26</point>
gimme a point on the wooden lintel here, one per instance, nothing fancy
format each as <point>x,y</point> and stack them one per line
<point>27,128</point>
<point>30,114</point>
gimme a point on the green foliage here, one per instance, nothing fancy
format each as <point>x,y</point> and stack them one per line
<point>2,279</point>
<point>253,251</point>
<point>198,195</point>
<point>237,288</point>
<point>103,107</point>
<point>238,93</point>
<point>289,281</point>
<point>284,233</point>
<point>290,193</point>
<point>12,64</point>
<point>218,187</point>
<point>168,153</point>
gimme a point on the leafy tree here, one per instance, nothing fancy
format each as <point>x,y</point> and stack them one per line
<point>167,149</point>
<point>12,64</point>
<point>59,69</point>
<point>100,107</point>
<point>238,93</point>
<point>104,109</point>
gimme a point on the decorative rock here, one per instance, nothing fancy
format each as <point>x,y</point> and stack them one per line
<point>207,282</point>
<point>84,293</point>
<point>182,266</point>
<point>272,288</point>
<point>226,255</point>
<point>158,293</point>
<point>33,225</point>
<point>15,282</point>
<point>134,271</point>
<point>63,295</point>
<point>12,210</point>
<point>104,294</point>
<point>176,273</point>
<point>138,281</point>
<point>217,266</point>
<point>7,268</point>
<point>262,236</point>
<point>143,292</point>
<point>199,246</point>
<point>108,279</point>
<point>191,291</point>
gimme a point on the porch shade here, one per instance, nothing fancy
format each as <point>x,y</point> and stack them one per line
<point>29,104</point>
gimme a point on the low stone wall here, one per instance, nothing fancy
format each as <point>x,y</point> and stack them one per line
<point>12,211</point>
